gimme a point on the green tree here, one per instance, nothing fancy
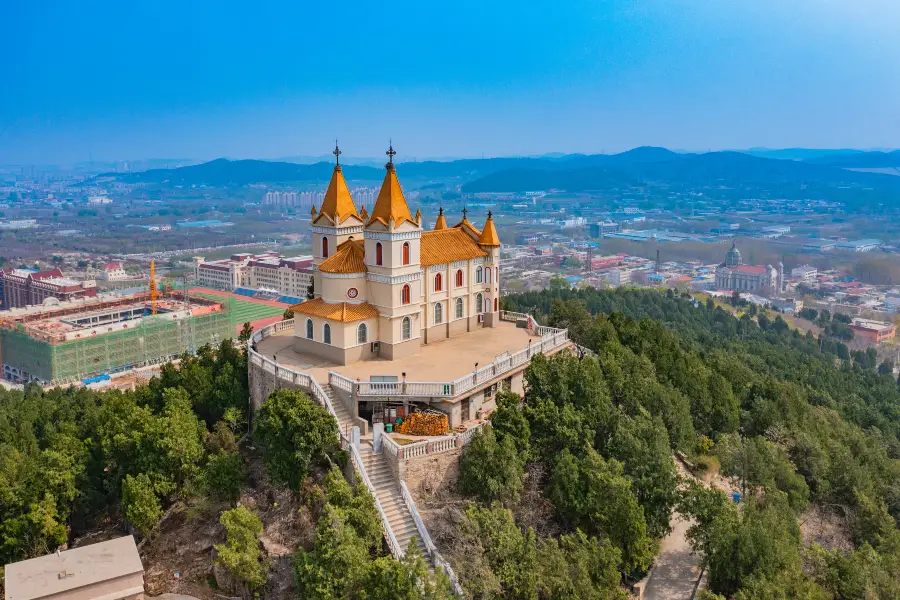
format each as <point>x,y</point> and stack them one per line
<point>295,432</point>
<point>594,495</point>
<point>406,579</point>
<point>509,421</point>
<point>140,502</point>
<point>288,314</point>
<point>642,446</point>
<point>241,554</point>
<point>246,333</point>
<point>576,567</point>
<point>491,470</point>
<point>223,475</point>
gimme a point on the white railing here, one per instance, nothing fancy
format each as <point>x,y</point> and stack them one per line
<point>436,557</point>
<point>393,545</point>
<point>305,380</point>
<point>550,339</point>
<point>427,447</point>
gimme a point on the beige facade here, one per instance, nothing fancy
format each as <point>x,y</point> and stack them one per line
<point>424,286</point>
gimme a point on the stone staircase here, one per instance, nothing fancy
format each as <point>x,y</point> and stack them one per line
<point>343,415</point>
<point>388,492</point>
<point>387,489</point>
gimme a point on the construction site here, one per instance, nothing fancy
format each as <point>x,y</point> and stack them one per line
<point>68,342</point>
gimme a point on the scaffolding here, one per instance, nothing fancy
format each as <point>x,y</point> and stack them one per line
<point>154,340</point>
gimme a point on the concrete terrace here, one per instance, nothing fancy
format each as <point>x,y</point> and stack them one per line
<point>445,360</point>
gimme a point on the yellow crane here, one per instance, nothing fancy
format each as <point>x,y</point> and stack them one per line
<point>152,287</point>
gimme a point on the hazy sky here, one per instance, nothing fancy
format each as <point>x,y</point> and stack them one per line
<point>203,79</point>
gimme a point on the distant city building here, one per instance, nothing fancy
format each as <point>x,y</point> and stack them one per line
<point>310,198</point>
<point>873,332</point>
<point>99,200</point>
<point>24,287</point>
<point>110,570</point>
<point>859,245</point>
<point>804,273</point>
<point>287,276</point>
<point>617,277</point>
<point>114,272</point>
<point>270,271</point>
<point>18,224</point>
<point>734,275</point>
<point>818,246</point>
<point>599,229</point>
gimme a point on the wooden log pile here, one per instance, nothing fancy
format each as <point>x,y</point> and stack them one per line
<point>425,423</point>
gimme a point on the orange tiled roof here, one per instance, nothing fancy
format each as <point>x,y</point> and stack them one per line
<point>447,245</point>
<point>349,258</point>
<point>390,203</point>
<point>469,227</point>
<point>338,311</point>
<point>489,235</point>
<point>337,205</point>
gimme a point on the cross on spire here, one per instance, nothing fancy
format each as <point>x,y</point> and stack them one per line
<point>464,213</point>
<point>390,153</point>
<point>337,153</point>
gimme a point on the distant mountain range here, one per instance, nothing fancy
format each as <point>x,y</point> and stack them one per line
<point>573,172</point>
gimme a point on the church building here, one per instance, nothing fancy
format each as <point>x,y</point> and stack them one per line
<point>734,275</point>
<point>385,286</point>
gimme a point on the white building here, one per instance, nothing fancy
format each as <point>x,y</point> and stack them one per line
<point>288,276</point>
<point>804,273</point>
<point>618,277</point>
<point>113,272</point>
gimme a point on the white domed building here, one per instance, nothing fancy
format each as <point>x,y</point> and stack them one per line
<point>734,275</point>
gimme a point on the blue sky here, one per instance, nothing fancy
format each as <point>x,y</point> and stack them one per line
<point>202,79</point>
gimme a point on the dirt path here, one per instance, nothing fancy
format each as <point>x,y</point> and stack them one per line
<point>677,569</point>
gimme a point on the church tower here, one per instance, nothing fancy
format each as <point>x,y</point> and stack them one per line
<point>393,245</point>
<point>489,241</point>
<point>337,220</point>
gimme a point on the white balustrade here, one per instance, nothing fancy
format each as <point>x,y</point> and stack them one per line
<point>393,546</point>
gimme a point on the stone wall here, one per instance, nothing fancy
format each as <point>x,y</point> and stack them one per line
<point>432,473</point>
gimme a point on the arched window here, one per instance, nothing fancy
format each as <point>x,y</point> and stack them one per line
<point>438,282</point>
<point>459,278</point>
<point>362,334</point>
<point>326,333</point>
<point>324,247</point>
<point>309,329</point>
<point>497,274</point>
<point>379,257</point>
<point>459,308</point>
<point>405,253</point>
<point>479,303</point>
<point>404,295</point>
<point>495,305</point>
<point>406,328</point>
<point>479,275</point>
<point>438,313</point>
<point>487,275</point>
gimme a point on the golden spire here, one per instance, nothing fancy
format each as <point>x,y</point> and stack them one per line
<point>338,203</point>
<point>419,217</point>
<point>391,205</point>
<point>312,211</point>
<point>489,233</point>
<point>441,222</point>
<point>363,214</point>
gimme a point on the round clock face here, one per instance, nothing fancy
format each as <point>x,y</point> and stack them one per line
<point>352,293</point>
